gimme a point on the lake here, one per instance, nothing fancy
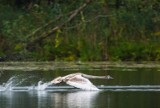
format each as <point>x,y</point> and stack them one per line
<point>135,85</point>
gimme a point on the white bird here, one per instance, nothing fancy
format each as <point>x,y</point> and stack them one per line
<point>79,80</point>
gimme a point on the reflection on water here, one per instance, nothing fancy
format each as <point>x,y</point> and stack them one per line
<point>42,99</point>
<point>79,99</point>
<point>15,100</point>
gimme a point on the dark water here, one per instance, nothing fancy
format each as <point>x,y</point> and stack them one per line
<point>116,98</point>
<point>80,99</point>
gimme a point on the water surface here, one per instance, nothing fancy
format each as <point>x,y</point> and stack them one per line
<point>133,86</point>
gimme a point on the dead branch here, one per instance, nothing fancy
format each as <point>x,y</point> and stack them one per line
<point>49,33</point>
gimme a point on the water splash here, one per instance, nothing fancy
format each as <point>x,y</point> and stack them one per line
<point>18,82</point>
<point>10,83</point>
<point>42,86</point>
<point>15,81</point>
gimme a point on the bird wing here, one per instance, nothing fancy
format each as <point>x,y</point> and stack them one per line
<point>80,82</point>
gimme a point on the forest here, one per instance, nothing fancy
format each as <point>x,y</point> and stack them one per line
<point>79,30</point>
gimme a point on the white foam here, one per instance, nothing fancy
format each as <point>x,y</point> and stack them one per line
<point>42,86</point>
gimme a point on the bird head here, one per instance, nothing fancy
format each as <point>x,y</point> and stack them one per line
<point>57,80</point>
<point>109,77</point>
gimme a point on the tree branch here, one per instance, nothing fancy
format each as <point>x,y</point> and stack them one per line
<point>49,33</point>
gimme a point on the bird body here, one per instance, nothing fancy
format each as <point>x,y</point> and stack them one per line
<point>79,80</point>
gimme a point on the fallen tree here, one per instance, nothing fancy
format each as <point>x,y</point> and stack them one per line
<point>31,42</point>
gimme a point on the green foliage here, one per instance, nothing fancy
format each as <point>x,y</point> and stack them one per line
<point>104,30</point>
<point>134,51</point>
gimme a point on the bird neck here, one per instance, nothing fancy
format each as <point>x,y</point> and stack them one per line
<point>93,77</point>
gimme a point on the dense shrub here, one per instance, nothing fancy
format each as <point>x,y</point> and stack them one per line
<point>104,30</point>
